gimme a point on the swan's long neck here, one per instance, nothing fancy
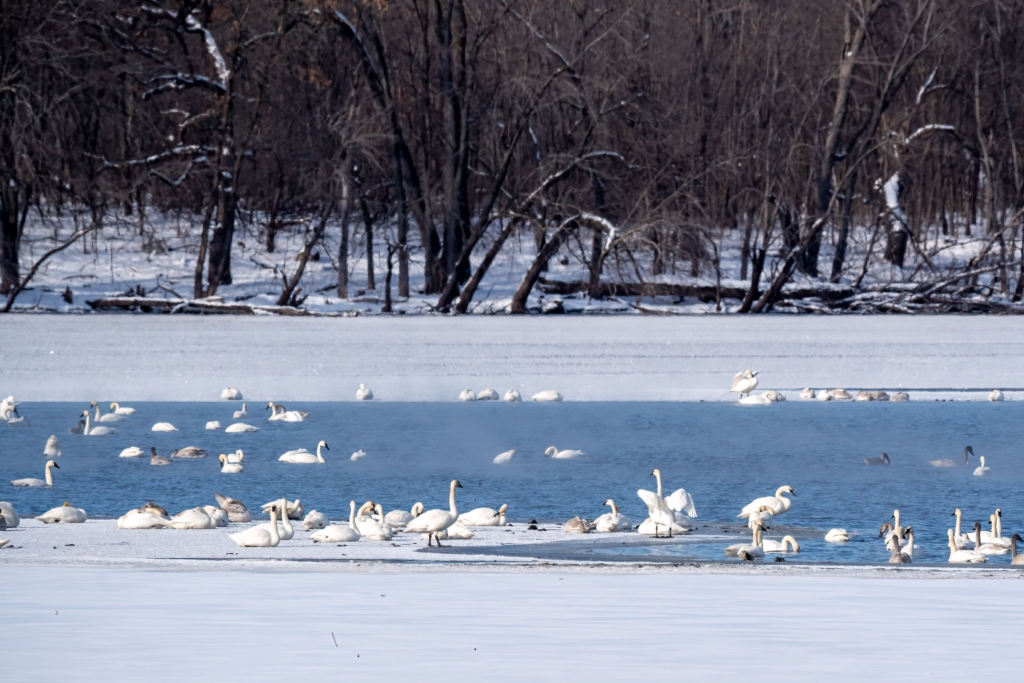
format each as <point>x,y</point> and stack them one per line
<point>1013,549</point>
<point>615,508</point>
<point>999,525</point>
<point>49,477</point>
<point>977,536</point>
<point>451,502</point>
<point>758,541</point>
<point>657,475</point>
<point>275,537</point>
<point>87,423</point>
<point>352,515</point>
<point>958,514</point>
<point>896,516</point>
<point>284,516</point>
<point>952,543</point>
<point>98,416</point>
<point>319,455</point>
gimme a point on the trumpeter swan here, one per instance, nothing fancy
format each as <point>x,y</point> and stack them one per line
<point>547,396</point>
<point>433,522</point>
<point>663,513</point>
<point>132,452</point>
<point>288,532</point>
<point>753,548</point>
<point>901,397</point>
<point>137,519</point>
<point>280,414</point>
<point>399,518</point>
<point>962,555</point>
<point>763,516</point>
<point>239,414</point>
<point>315,520</point>
<point>89,430</point>
<point>770,546</point>
<point>364,394</point>
<point>899,556</point>
<point>484,516</point>
<point>339,534</point>
<point>841,394</point>
<point>358,455</point>
<point>778,503</point>
<point>240,428</point>
<point>754,400</point>
<point>578,525</point>
<point>556,454</point>
<point>883,459</point>
<point>824,395</point>
<point>807,393</point>
<point>37,483</point>
<point>467,395</point>
<point>513,395</point>
<point>109,417</point>
<point>304,457</point>
<point>837,536</point>
<point>1017,559</point>
<point>154,509</point>
<point>119,409</point>
<point>744,382</point>
<point>9,514</point>
<point>294,508</point>
<point>981,470</point>
<point>213,425</point>
<point>65,514</point>
<point>987,548</point>
<point>78,428</point>
<point>219,517</point>
<point>996,395</point>
<point>502,458</point>
<point>189,453</point>
<point>259,536</point>
<point>947,462</point>
<point>611,522</point>
<point>365,512</point>
<point>193,518</point>
<point>455,532</point>
<point>376,529</point>
<point>961,539</point>
<point>155,459</point>
<point>231,394</point>
<point>236,509</point>
<point>487,395</point>
<point>774,396</point>
<point>164,427</point>
<point>229,467</point>
<point>52,448</point>
<point>997,529</point>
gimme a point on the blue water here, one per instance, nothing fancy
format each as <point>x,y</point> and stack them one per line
<point>724,454</point>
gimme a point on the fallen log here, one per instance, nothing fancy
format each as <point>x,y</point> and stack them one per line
<point>205,306</point>
<point>703,292</point>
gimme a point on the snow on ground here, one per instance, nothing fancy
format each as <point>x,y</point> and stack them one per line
<point>87,624</point>
<point>633,358</point>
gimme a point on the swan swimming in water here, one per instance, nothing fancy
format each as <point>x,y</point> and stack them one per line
<point>1017,559</point>
<point>52,448</point>
<point>837,536</point>
<point>132,452</point>
<point>364,394</point>
<point>89,430</point>
<point>778,503</point>
<point>770,546</point>
<point>239,414</point>
<point>189,453</point>
<point>947,462</point>
<point>155,459</point>
<point>109,417</point>
<point>900,556</point>
<point>744,382</point>
<point>612,522</point>
<point>987,548</point>
<point>304,457</point>
<point>962,556</point>
<point>399,518</point>
<point>883,459</point>
<point>502,458</point>
<point>556,454</point>
<point>65,514</point>
<point>981,470</point>
<point>358,455</point>
<point>337,533</point>
<point>432,522</point>
<point>229,467</point>
<point>240,428</point>
<point>280,414</point>
<point>752,549</point>
<point>259,536</point>
<point>164,427</point>
<point>213,425</point>
<point>118,409</point>
<point>39,483</point>
<point>484,516</point>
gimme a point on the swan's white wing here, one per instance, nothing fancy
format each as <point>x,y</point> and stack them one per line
<point>736,380</point>
<point>650,499</point>
<point>682,501</point>
<point>752,506</point>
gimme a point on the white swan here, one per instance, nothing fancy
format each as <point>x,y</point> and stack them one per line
<point>37,483</point>
<point>399,518</point>
<point>236,509</point>
<point>959,538</point>
<point>763,516</point>
<point>376,529</point>
<point>502,458</point>
<point>824,395</point>
<point>164,427</point>
<point>193,518</point>
<point>753,548</point>
<point>240,428</point>
<point>754,400</point>
<point>239,414</point>
<point>947,462</point>
<point>433,522</point>
<point>778,503</point>
<point>807,393</point>
<point>65,514</point>
<point>294,508</point>
<point>109,417</point>
<point>512,395</point>
<point>364,394</point>
<point>770,546</point>
<point>9,514</point>
<point>132,452</point>
<point>229,467</point>
<point>365,512</point>
<point>547,396</point>
<point>487,395</point>
<point>962,556</point>
<point>119,409</point>
<point>982,470</point>
<point>315,520</point>
<point>611,522</point>
<point>837,536</point>
<point>774,396</point>
<point>89,430</point>
<point>137,519</point>
<point>744,382</point>
<point>213,425</point>
<point>883,459</point>
<point>661,516</point>
<point>1016,559</point>
<point>304,457</point>
<point>280,414</point>
<point>996,395</point>
<point>455,532</point>
<point>987,548</point>
<point>358,455</point>
<point>155,459</point>
<point>467,395</point>
<point>841,394</point>
<point>567,454</point>
<point>484,516</point>
<point>288,531</point>
<point>52,448</point>
<point>231,394</point>
<point>219,517</point>
<point>339,534</point>
<point>259,536</point>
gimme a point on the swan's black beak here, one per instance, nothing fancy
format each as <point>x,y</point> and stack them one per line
<point>56,465</point>
<point>326,446</point>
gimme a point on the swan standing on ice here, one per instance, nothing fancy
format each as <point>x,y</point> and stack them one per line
<point>259,536</point>
<point>981,470</point>
<point>947,462</point>
<point>315,520</point>
<point>661,514</point>
<point>231,394</point>
<point>778,503</point>
<point>556,454</point>
<point>502,458</point>
<point>963,556</point>
<point>240,414</point>
<point>484,516</point>
<point>89,430</point>
<point>744,382</point>
<point>512,395</point>
<point>467,395</point>
<point>65,514</point>
<point>132,452</point>
<point>304,457</point>
<point>230,467</point>
<point>38,483</point>
<point>339,534</point>
<point>996,395</point>
<point>487,395</point>
<point>399,518</point>
<point>52,448</point>
<point>548,396</point>
<point>118,409</point>
<point>837,536</point>
<point>364,394</point>
<point>432,522</point>
<point>883,459</point>
<point>9,514</point>
<point>280,414</point>
<point>155,459</point>
<point>611,522</point>
<point>109,417</point>
<point>164,427</point>
<point>236,509</point>
<point>240,428</point>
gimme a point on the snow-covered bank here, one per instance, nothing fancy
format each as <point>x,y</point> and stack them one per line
<point>114,625</point>
<point>143,357</point>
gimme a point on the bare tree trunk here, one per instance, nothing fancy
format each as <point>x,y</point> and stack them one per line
<point>470,289</point>
<point>198,291</point>
<point>371,283</point>
<point>289,292</point>
<point>10,236</point>
<point>523,293</point>
<point>844,235</point>
<point>346,214</point>
<point>387,279</point>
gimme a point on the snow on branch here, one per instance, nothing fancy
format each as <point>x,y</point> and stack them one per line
<point>924,88</point>
<point>192,25</point>
<point>927,129</point>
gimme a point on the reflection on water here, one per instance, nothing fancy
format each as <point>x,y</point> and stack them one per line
<point>724,454</point>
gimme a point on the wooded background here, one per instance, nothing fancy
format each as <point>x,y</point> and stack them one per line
<point>640,129</point>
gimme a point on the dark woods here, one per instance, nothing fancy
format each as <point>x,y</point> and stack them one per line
<point>633,131</point>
